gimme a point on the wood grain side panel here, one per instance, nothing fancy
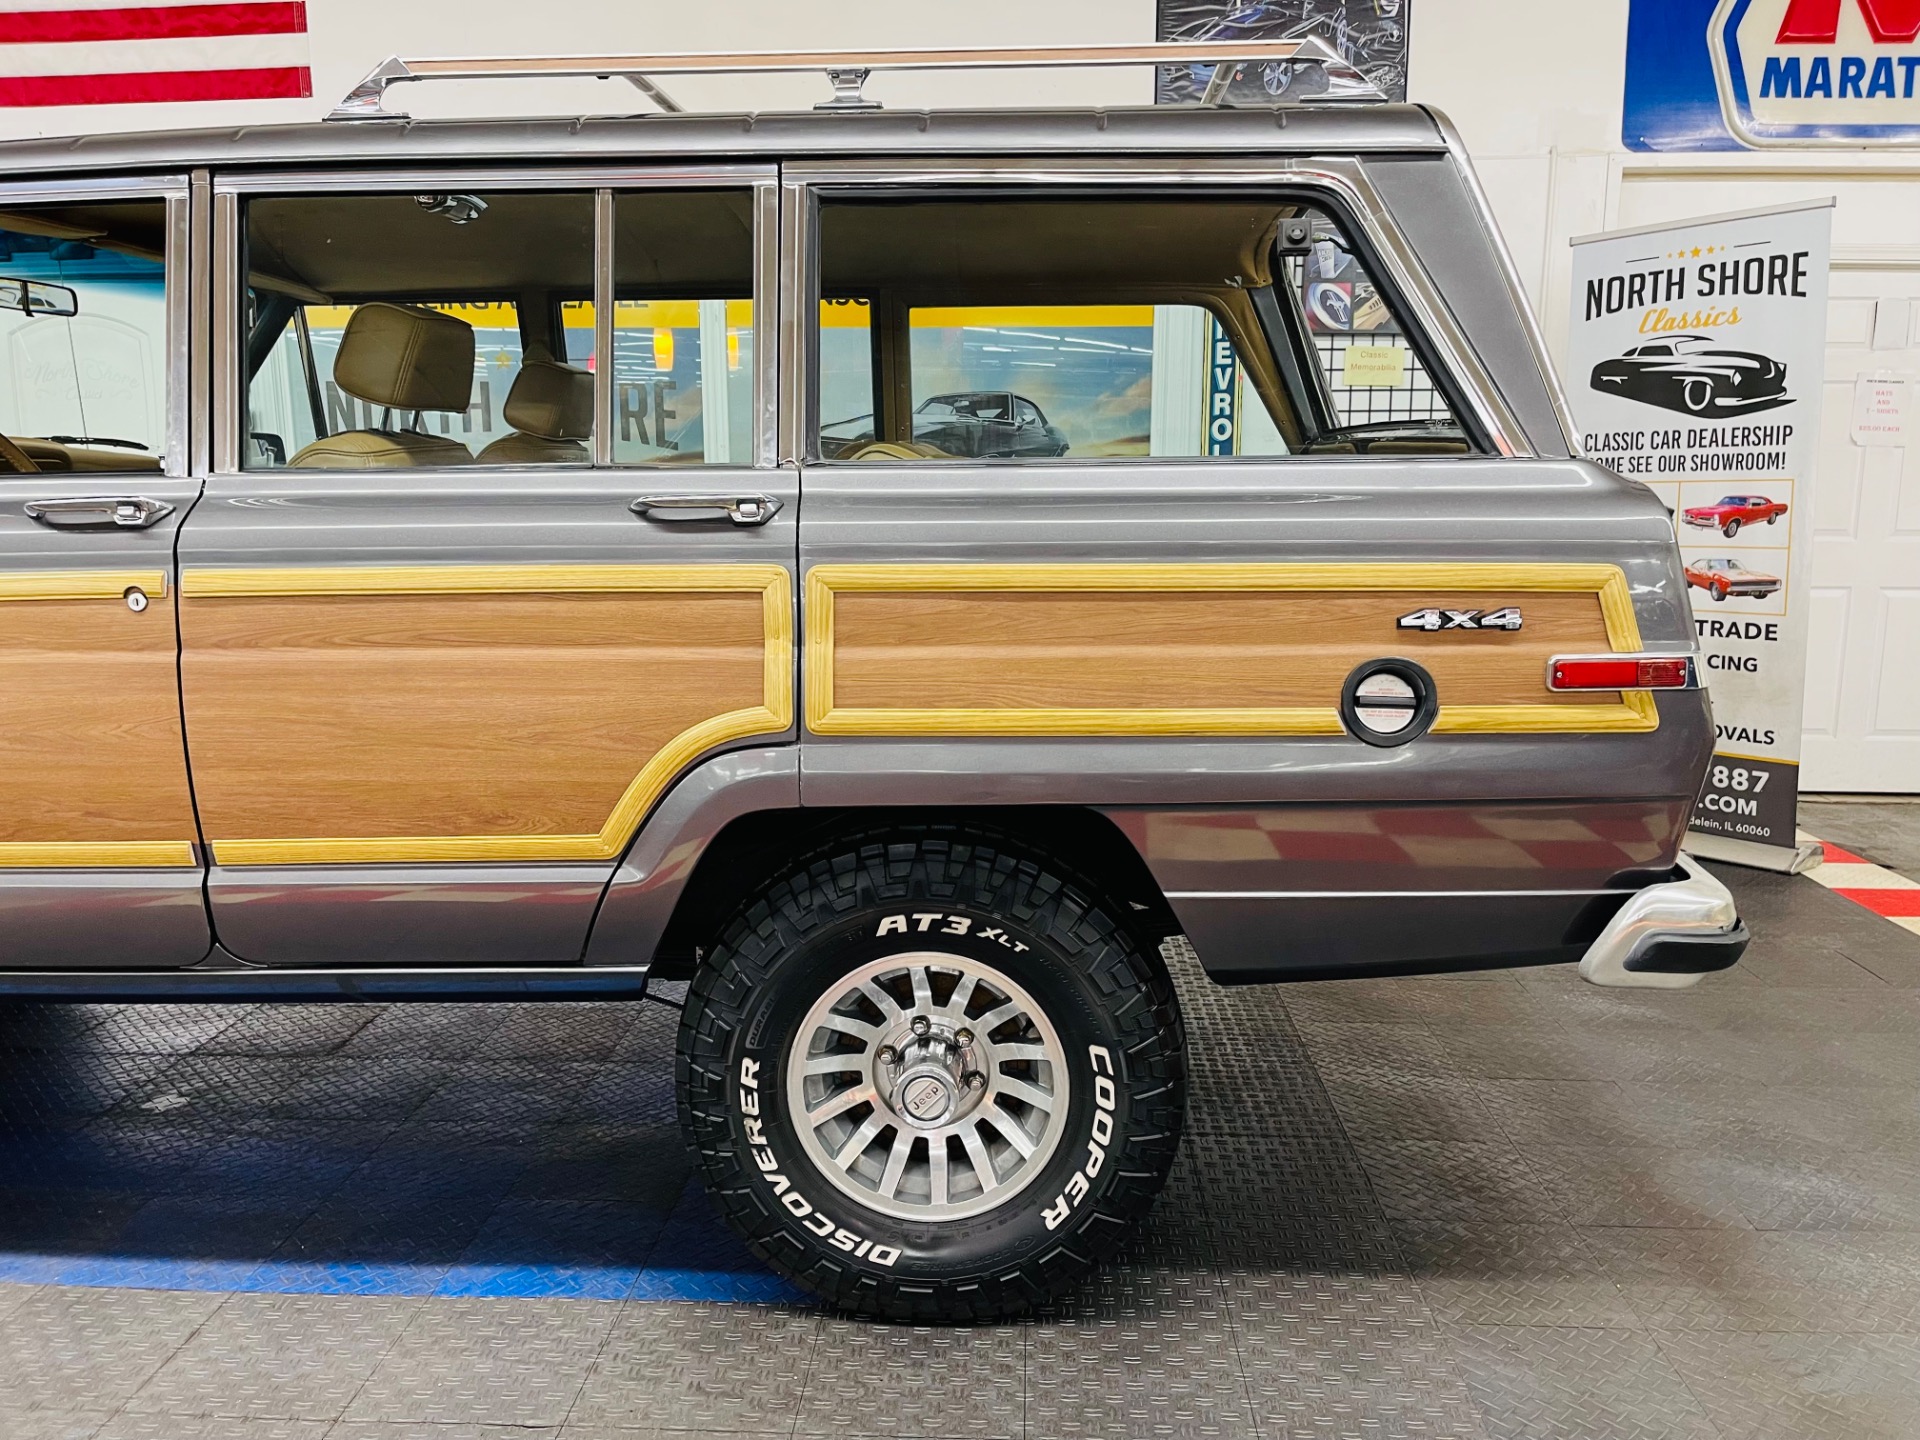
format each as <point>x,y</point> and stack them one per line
<point>450,715</point>
<point>90,746</point>
<point>1183,650</point>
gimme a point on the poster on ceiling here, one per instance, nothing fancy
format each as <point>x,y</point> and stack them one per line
<point>1771,74</point>
<point>1695,360</point>
<point>1372,34</point>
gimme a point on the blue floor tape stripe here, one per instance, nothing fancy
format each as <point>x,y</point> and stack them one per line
<point>292,1277</point>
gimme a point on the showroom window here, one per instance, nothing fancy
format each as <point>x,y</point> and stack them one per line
<point>1100,328</point>
<point>425,330</point>
<point>83,334</point>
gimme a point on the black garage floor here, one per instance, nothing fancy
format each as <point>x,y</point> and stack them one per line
<point>1509,1205</point>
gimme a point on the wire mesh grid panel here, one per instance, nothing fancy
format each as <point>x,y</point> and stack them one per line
<point>1416,398</point>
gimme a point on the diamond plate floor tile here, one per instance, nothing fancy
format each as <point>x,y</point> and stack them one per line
<point>77,1349</point>
<point>1346,1355</point>
<point>487,1361</point>
<point>14,1296</point>
<point>1619,1185</point>
<point>1393,1107</point>
<point>1554,1383</point>
<point>292,1030</point>
<point>1341,1049</point>
<point>1431,1179</point>
<point>445,1032</point>
<point>161,1029</point>
<point>1288,1208</point>
<point>639,1164</point>
<point>1137,1352</point>
<point>1479,1273</point>
<point>870,1379</point>
<point>412,1430</point>
<point>704,1367</point>
<point>277,1356</point>
<point>361,1087</point>
<point>1765,1280</point>
<point>561,1031</point>
<point>51,1424</point>
<point>212,1427</point>
<point>1789,1387</point>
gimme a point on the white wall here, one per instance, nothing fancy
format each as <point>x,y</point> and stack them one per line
<point>350,37</point>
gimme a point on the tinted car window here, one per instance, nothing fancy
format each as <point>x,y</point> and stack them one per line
<point>1110,327</point>
<point>83,334</point>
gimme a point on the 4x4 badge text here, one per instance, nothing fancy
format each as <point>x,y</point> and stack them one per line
<point>1505,618</point>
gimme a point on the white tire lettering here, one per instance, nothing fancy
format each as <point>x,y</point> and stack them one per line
<point>893,925</point>
<point>816,1222</point>
<point>1056,1213</point>
<point>1102,1126</point>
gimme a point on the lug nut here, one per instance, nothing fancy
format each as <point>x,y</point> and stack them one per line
<point>921,1025</point>
<point>887,1055</point>
<point>974,1080</point>
<point>963,1038</point>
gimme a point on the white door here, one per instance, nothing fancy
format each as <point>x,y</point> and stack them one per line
<point>1863,646</point>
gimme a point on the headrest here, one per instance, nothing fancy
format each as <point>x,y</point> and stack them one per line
<point>551,400</point>
<point>406,357</point>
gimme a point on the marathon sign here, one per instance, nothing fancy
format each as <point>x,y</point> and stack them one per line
<point>1768,74</point>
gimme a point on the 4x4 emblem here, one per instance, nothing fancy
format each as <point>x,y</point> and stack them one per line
<point>1505,618</point>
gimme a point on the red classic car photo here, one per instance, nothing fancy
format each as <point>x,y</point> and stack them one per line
<point>1721,578</point>
<point>1730,512</point>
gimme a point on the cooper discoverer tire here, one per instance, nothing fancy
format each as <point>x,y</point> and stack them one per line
<point>930,1076</point>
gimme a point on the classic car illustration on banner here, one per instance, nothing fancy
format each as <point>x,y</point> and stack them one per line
<point>1730,512</point>
<point>1694,375</point>
<point>1721,578</point>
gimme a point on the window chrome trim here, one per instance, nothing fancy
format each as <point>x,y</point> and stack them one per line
<point>229,405</point>
<point>177,291</point>
<point>602,329</point>
<point>1510,273</point>
<point>188,218</point>
<point>1345,179</point>
<point>766,323</point>
<point>426,178</point>
<point>600,180</point>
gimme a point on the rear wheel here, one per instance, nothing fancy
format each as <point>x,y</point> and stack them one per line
<point>931,1077</point>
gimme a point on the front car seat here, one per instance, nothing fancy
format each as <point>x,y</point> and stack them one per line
<point>404,358</point>
<point>550,408</point>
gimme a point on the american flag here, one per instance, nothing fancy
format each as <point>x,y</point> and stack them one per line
<point>111,52</point>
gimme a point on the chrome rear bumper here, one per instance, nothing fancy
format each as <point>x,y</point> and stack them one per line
<point>1668,935</point>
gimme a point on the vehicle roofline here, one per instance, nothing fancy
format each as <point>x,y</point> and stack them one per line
<point>1121,130</point>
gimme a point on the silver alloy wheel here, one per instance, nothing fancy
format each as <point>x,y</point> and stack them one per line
<point>927,1086</point>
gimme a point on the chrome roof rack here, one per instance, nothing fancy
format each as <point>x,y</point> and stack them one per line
<point>847,71</point>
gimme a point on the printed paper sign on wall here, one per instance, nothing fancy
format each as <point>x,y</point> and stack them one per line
<point>1695,361</point>
<point>1730,74</point>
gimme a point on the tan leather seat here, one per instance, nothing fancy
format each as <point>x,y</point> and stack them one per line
<point>404,358</point>
<point>899,450</point>
<point>550,408</point>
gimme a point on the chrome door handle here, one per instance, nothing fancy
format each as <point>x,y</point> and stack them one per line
<point>741,509</point>
<point>129,512</point>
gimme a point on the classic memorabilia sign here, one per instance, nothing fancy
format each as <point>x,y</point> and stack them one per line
<point>1695,359</point>
<point>1733,74</point>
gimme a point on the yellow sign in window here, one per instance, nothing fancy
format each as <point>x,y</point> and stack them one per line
<point>1374,366</point>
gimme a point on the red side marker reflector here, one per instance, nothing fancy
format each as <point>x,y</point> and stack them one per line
<point>1629,673</point>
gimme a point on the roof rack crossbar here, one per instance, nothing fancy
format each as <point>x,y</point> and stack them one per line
<point>847,72</point>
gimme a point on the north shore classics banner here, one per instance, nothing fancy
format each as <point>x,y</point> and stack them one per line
<point>1696,355</point>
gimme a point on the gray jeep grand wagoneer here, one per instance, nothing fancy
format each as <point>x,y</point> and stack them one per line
<point>422,575</point>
